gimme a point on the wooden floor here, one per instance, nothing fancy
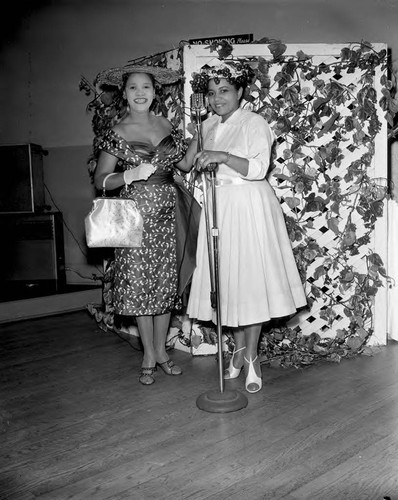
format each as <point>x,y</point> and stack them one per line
<point>76,424</point>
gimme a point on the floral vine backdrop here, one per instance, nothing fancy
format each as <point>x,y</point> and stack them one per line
<point>319,110</point>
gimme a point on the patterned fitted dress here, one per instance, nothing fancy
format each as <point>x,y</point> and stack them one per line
<point>149,280</point>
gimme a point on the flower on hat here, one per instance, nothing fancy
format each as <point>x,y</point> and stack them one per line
<point>233,71</point>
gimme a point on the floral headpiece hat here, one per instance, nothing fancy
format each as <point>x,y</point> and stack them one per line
<point>232,71</point>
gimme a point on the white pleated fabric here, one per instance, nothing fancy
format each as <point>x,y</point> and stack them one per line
<point>259,279</point>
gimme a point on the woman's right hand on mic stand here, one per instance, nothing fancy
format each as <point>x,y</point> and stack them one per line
<point>208,160</point>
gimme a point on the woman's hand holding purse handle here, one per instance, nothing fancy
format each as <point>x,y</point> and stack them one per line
<point>140,173</point>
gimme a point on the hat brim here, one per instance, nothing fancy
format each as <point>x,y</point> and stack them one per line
<point>114,76</point>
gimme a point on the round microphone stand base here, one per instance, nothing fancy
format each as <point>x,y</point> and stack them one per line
<point>221,402</point>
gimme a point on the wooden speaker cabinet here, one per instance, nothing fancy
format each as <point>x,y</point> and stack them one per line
<point>22,184</point>
<point>32,253</point>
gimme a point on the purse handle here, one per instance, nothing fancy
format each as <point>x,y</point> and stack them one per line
<point>104,181</point>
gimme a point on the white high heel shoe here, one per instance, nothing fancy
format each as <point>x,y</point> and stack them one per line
<point>232,372</point>
<point>252,379</point>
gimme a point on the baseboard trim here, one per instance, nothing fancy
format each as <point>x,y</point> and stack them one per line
<point>37,307</point>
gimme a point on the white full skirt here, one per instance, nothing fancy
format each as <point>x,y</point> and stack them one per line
<point>258,277</point>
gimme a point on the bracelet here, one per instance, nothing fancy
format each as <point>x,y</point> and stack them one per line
<point>228,157</point>
<point>105,179</point>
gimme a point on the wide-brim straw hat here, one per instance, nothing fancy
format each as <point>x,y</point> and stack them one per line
<point>114,76</point>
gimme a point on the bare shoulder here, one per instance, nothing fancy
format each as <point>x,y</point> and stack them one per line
<point>120,127</point>
<point>163,122</point>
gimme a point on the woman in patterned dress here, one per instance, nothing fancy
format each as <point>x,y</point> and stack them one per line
<point>259,279</point>
<point>140,153</point>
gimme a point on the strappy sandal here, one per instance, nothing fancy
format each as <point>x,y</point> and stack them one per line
<point>146,375</point>
<point>253,382</point>
<point>170,368</point>
<point>232,372</point>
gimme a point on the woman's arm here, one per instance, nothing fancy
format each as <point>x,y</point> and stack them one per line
<point>106,165</point>
<point>186,163</point>
<point>259,140</point>
<point>256,142</point>
<point>206,158</point>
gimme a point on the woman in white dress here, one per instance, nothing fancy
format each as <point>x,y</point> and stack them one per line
<point>259,279</point>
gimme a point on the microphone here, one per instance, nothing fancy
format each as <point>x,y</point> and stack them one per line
<point>198,104</point>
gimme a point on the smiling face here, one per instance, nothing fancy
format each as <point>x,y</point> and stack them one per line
<point>139,91</point>
<point>223,98</point>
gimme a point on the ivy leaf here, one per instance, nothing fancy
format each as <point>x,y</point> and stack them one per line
<point>383,272</point>
<point>319,271</point>
<point>277,49</point>
<point>315,291</point>
<point>282,79</point>
<point>382,54</point>
<point>318,159</point>
<point>366,46</point>
<point>327,126</point>
<point>291,95</point>
<point>310,223</point>
<point>319,349</point>
<point>359,136</point>
<point>375,259</point>
<point>320,102</point>
<point>287,153</point>
<point>335,207</point>
<point>354,343</point>
<point>345,54</point>
<point>393,106</point>
<point>196,340</point>
<point>224,49</point>
<point>334,357</point>
<point>289,68</point>
<point>349,238</point>
<point>292,202</point>
<point>359,320</point>
<point>263,65</point>
<point>349,123</point>
<point>341,334</point>
<point>333,224</point>
<point>390,119</point>
<point>293,167</point>
<point>314,203</point>
<point>282,126</point>
<point>301,56</point>
<point>347,276</point>
<point>278,335</point>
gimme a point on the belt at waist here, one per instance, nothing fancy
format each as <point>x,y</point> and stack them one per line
<point>231,181</point>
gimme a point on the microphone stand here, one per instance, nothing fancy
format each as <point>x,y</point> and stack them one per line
<point>213,286</point>
<point>222,401</point>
